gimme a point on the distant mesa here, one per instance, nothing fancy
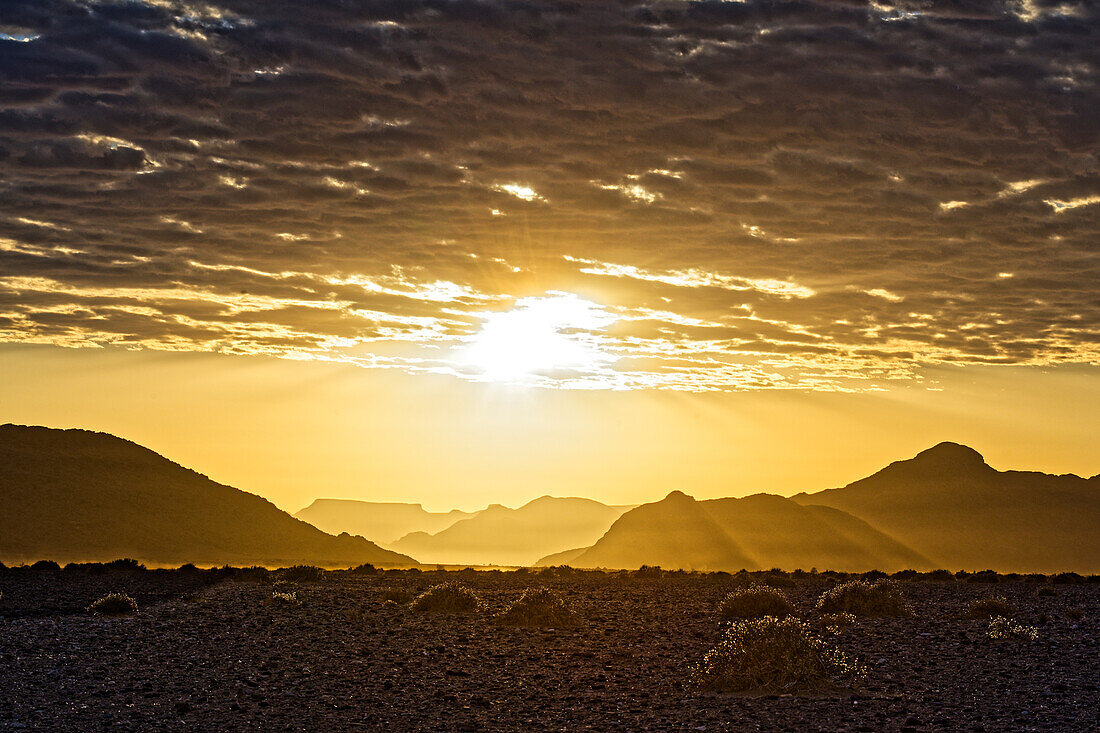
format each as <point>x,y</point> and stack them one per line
<point>77,495</point>
<point>502,536</point>
<point>381,522</point>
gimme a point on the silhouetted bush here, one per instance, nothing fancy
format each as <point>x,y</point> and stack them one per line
<point>364,569</point>
<point>648,572</point>
<point>941,576</point>
<point>1067,579</point>
<point>452,597</point>
<point>984,608</point>
<point>114,604</point>
<point>860,598</point>
<point>985,576</point>
<point>906,575</point>
<point>539,607</point>
<point>1035,578</point>
<point>302,574</point>
<point>396,595</point>
<point>755,602</point>
<point>872,576</point>
<point>1003,628</point>
<point>774,655</point>
<point>46,566</point>
<point>88,568</point>
<point>125,565</point>
<point>189,569</point>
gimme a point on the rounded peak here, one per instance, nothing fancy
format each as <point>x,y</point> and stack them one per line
<point>952,454</point>
<point>677,495</point>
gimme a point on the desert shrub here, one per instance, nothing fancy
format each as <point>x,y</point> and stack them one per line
<point>364,569</point>
<point>125,565</point>
<point>1093,579</point>
<point>1003,628</point>
<point>1074,614</point>
<point>188,568</point>
<point>774,655</point>
<point>284,597</point>
<point>1045,591</point>
<point>1035,578</point>
<point>834,622</point>
<point>941,576</point>
<point>860,598</point>
<point>539,607</point>
<point>873,575</point>
<point>302,574</point>
<point>985,576</point>
<point>1067,579</point>
<point>648,572</point>
<point>46,566</point>
<point>983,608</point>
<point>114,604</point>
<point>905,575</point>
<point>396,595</point>
<point>452,597</point>
<point>1042,619</point>
<point>754,602</point>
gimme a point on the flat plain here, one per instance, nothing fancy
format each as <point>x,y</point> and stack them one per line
<point>216,650</point>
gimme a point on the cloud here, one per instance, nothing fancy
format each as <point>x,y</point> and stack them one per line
<point>809,195</point>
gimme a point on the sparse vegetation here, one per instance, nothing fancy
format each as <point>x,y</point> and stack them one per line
<point>284,598</point>
<point>984,608</point>
<point>774,655</point>
<point>303,574</point>
<point>449,597</point>
<point>860,598</point>
<point>648,572</point>
<point>1074,614</point>
<point>941,576</point>
<point>834,622</point>
<point>396,595</point>
<point>755,602</point>
<point>1067,579</point>
<point>985,576</point>
<point>1003,628</point>
<point>539,607</point>
<point>114,604</point>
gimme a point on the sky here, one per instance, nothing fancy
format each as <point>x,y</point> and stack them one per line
<point>459,252</point>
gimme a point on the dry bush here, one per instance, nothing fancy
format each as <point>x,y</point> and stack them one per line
<point>860,598</point>
<point>941,576</point>
<point>648,572</point>
<point>983,608</point>
<point>449,597</point>
<point>1074,614</point>
<point>114,604</point>
<point>985,576</point>
<point>396,595</point>
<point>539,607</point>
<point>774,655</point>
<point>834,622</point>
<point>1003,628</point>
<point>302,574</point>
<point>755,602</point>
<point>1067,579</point>
<point>284,598</point>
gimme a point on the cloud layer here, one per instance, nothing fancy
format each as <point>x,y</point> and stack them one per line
<point>819,195</point>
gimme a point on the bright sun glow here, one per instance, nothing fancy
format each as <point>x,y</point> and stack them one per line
<point>539,335</point>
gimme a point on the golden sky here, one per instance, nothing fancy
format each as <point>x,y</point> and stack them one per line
<point>619,247</point>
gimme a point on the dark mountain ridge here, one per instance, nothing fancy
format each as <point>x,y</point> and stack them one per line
<point>78,495</point>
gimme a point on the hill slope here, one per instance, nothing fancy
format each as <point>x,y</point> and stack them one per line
<point>78,495</point>
<point>755,532</point>
<point>962,513</point>
<point>382,522</point>
<point>502,536</point>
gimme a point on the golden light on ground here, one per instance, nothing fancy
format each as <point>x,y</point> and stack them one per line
<point>539,335</point>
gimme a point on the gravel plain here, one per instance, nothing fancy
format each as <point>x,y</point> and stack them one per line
<point>206,651</point>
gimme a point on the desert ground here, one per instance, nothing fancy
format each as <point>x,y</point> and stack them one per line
<point>218,650</point>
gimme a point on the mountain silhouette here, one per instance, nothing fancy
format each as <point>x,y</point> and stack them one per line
<point>381,522</point>
<point>502,536</point>
<point>77,495</point>
<point>755,532</point>
<point>962,513</point>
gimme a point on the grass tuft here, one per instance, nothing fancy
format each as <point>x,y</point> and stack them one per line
<point>449,597</point>
<point>984,608</point>
<point>1003,628</point>
<point>860,598</point>
<point>755,601</point>
<point>114,604</point>
<point>771,655</point>
<point>539,607</point>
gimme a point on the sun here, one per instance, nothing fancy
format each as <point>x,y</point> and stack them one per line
<point>539,334</point>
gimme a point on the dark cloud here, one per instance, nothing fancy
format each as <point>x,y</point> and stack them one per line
<point>358,178</point>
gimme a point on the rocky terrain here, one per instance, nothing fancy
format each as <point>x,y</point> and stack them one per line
<point>213,651</point>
